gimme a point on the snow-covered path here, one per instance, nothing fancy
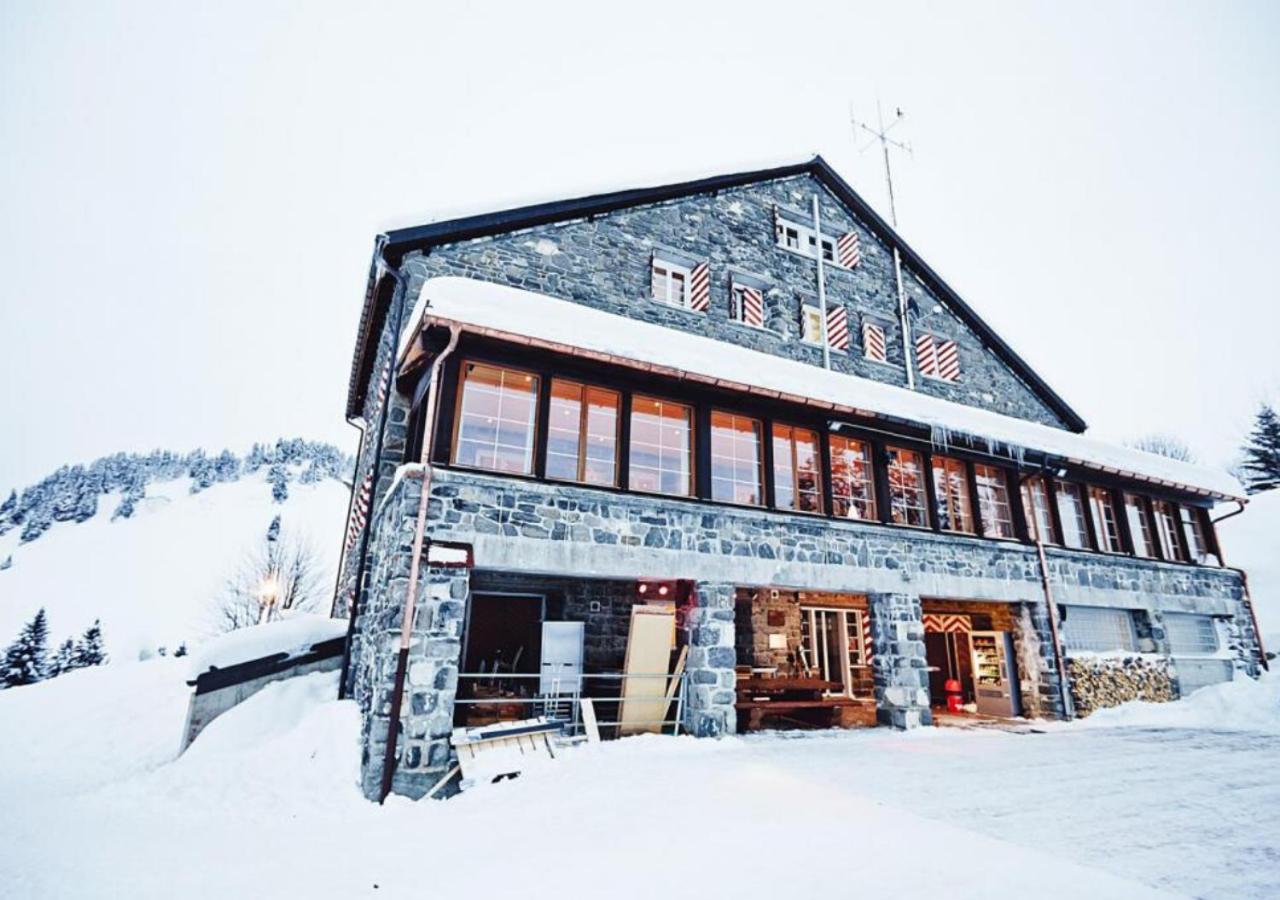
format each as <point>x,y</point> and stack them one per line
<point>265,805</point>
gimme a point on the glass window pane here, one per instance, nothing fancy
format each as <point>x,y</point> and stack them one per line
<point>797,477</point>
<point>1035,504</point>
<point>1135,510</point>
<point>1193,524</point>
<point>951,488</point>
<point>735,458</point>
<point>1106,530</point>
<point>1098,629</point>
<point>993,501</point>
<point>852,482</point>
<point>1190,633</point>
<point>661,451</point>
<point>496,415</point>
<point>1071,511</point>
<point>1167,530</point>
<point>906,488</point>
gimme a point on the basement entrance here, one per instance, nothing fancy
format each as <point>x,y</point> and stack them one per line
<point>971,656</point>
<point>503,643</point>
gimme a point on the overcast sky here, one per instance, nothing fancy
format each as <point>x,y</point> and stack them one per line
<point>189,193</point>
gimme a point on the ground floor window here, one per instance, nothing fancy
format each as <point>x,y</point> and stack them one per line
<point>1189,633</point>
<point>1098,629</point>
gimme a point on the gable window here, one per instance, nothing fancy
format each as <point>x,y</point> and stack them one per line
<point>811,325</point>
<point>1035,503</point>
<point>802,239</point>
<point>1197,537</point>
<point>736,466</point>
<point>907,504</point>
<point>1167,531</point>
<point>1098,629</point>
<point>797,469</point>
<point>661,447</point>
<point>582,433</point>
<point>496,419</point>
<point>1135,510</point>
<point>993,501</point>
<point>853,493</point>
<point>937,358</point>
<point>1075,534</point>
<point>746,304</point>
<point>874,346</point>
<point>1106,529</point>
<point>951,488</point>
<point>671,283</point>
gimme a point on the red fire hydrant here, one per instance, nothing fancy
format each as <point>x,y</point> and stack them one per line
<point>954,699</point>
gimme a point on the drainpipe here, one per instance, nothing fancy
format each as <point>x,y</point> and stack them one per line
<point>1064,687</point>
<point>362,557</point>
<point>822,289</point>
<point>903,321</point>
<point>415,560</point>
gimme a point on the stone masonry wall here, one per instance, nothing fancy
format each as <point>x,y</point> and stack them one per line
<point>899,665</point>
<point>605,263</point>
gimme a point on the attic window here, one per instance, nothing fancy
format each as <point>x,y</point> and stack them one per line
<point>802,239</point>
<point>937,358</point>
<point>746,304</point>
<point>811,330</point>
<point>670,283</point>
<point>873,342</point>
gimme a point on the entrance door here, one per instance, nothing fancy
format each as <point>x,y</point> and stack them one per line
<point>831,642</point>
<point>994,680</point>
<point>504,635</point>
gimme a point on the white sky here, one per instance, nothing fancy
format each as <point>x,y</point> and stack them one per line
<point>189,192</point>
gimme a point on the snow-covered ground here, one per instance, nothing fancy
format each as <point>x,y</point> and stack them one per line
<point>265,804</point>
<point>1251,541</point>
<point>152,578</point>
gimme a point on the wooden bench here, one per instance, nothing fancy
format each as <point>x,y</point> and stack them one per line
<point>844,712</point>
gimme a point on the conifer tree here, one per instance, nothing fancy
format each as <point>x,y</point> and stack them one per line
<point>64,660</point>
<point>1261,466</point>
<point>89,650</point>
<point>26,661</point>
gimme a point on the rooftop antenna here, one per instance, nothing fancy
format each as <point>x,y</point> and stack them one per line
<point>879,133</point>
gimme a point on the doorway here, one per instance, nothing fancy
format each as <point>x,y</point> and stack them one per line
<point>502,651</point>
<point>969,647</point>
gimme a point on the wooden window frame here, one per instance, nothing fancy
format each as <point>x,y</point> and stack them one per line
<point>534,437</point>
<point>586,387</point>
<point>671,267</point>
<point>1147,526</point>
<point>943,491</point>
<point>872,455</point>
<point>692,449</point>
<point>1099,535</point>
<point>759,462</point>
<point>1003,474</point>
<point>1030,520</point>
<point>924,488</point>
<point>823,505</point>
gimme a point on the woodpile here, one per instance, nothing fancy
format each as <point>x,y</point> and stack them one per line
<point>1101,681</point>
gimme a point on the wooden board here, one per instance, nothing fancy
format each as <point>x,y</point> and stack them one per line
<point>651,637</point>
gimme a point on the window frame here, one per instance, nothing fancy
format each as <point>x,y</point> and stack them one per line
<point>759,461</point>
<point>984,519</point>
<point>1146,530</point>
<point>1029,513</point>
<point>736,286</point>
<point>941,491</point>
<point>691,452</point>
<point>805,309</point>
<point>1115,539</point>
<point>807,243</point>
<point>774,425</point>
<point>585,387</point>
<point>1072,642</point>
<point>924,489</point>
<point>536,426</point>
<point>672,267</point>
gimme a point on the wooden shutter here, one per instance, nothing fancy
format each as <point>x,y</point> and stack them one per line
<point>849,249</point>
<point>700,287</point>
<point>873,343</point>
<point>359,511</point>
<point>751,311</point>
<point>926,355</point>
<point>948,361</point>
<point>838,328</point>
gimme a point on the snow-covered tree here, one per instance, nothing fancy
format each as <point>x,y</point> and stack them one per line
<point>64,660</point>
<point>1165,445</point>
<point>128,505</point>
<point>89,650</point>
<point>7,509</point>
<point>26,661</point>
<point>273,530</point>
<point>181,651</point>
<point>274,577</point>
<point>279,479</point>
<point>6,563</point>
<point>1261,466</point>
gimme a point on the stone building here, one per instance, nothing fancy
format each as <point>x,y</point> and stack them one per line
<point>749,391</point>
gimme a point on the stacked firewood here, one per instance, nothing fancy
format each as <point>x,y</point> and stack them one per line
<point>1098,682</point>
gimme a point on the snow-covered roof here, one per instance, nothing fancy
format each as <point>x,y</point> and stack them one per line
<point>568,327</point>
<point>294,635</point>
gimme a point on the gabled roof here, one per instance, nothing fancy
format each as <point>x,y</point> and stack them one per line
<point>395,245</point>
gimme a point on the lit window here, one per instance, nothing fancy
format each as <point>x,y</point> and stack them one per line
<point>951,488</point>
<point>1135,510</point>
<point>907,502</point>
<point>1071,511</point>
<point>1106,530</point>
<point>853,493</point>
<point>993,501</point>
<point>1098,629</point>
<point>497,411</point>
<point>582,433</point>
<point>1197,536</point>
<point>797,469</point>
<point>811,330</point>
<point>736,466</point>
<point>661,447</point>
<point>1035,503</point>
<point>1167,530</point>
<point>670,283</point>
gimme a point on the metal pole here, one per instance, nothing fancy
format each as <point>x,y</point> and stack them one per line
<point>822,290</point>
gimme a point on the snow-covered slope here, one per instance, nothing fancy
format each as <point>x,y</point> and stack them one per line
<point>152,578</point>
<point>1251,541</point>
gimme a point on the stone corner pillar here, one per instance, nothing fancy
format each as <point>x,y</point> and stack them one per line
<point>709,669</point>
<point>900,669</point>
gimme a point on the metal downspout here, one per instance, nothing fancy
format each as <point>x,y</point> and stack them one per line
<point>415,561</point>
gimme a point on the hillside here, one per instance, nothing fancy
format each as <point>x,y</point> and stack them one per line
<point>1251,541</point>
<point>152,576</point>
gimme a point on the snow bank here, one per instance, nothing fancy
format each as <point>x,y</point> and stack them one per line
<point>1239,705</point>
<point>539,317</point>
<point>1251,541</point>
<point>294,635</point>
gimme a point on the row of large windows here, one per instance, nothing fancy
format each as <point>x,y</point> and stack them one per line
<point>758,462</point>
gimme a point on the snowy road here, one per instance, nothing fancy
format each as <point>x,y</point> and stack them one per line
<point>93,805</point>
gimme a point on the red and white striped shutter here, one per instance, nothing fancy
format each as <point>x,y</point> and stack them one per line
<point>849,249</point>
<point>926,355</point>
<point>873,345</point>
<point>359,511</point>
<point>838,328</point>
<point>752,311</point>
<point>948,361</point>
<point>868,646</point>
<point>700,288</point>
